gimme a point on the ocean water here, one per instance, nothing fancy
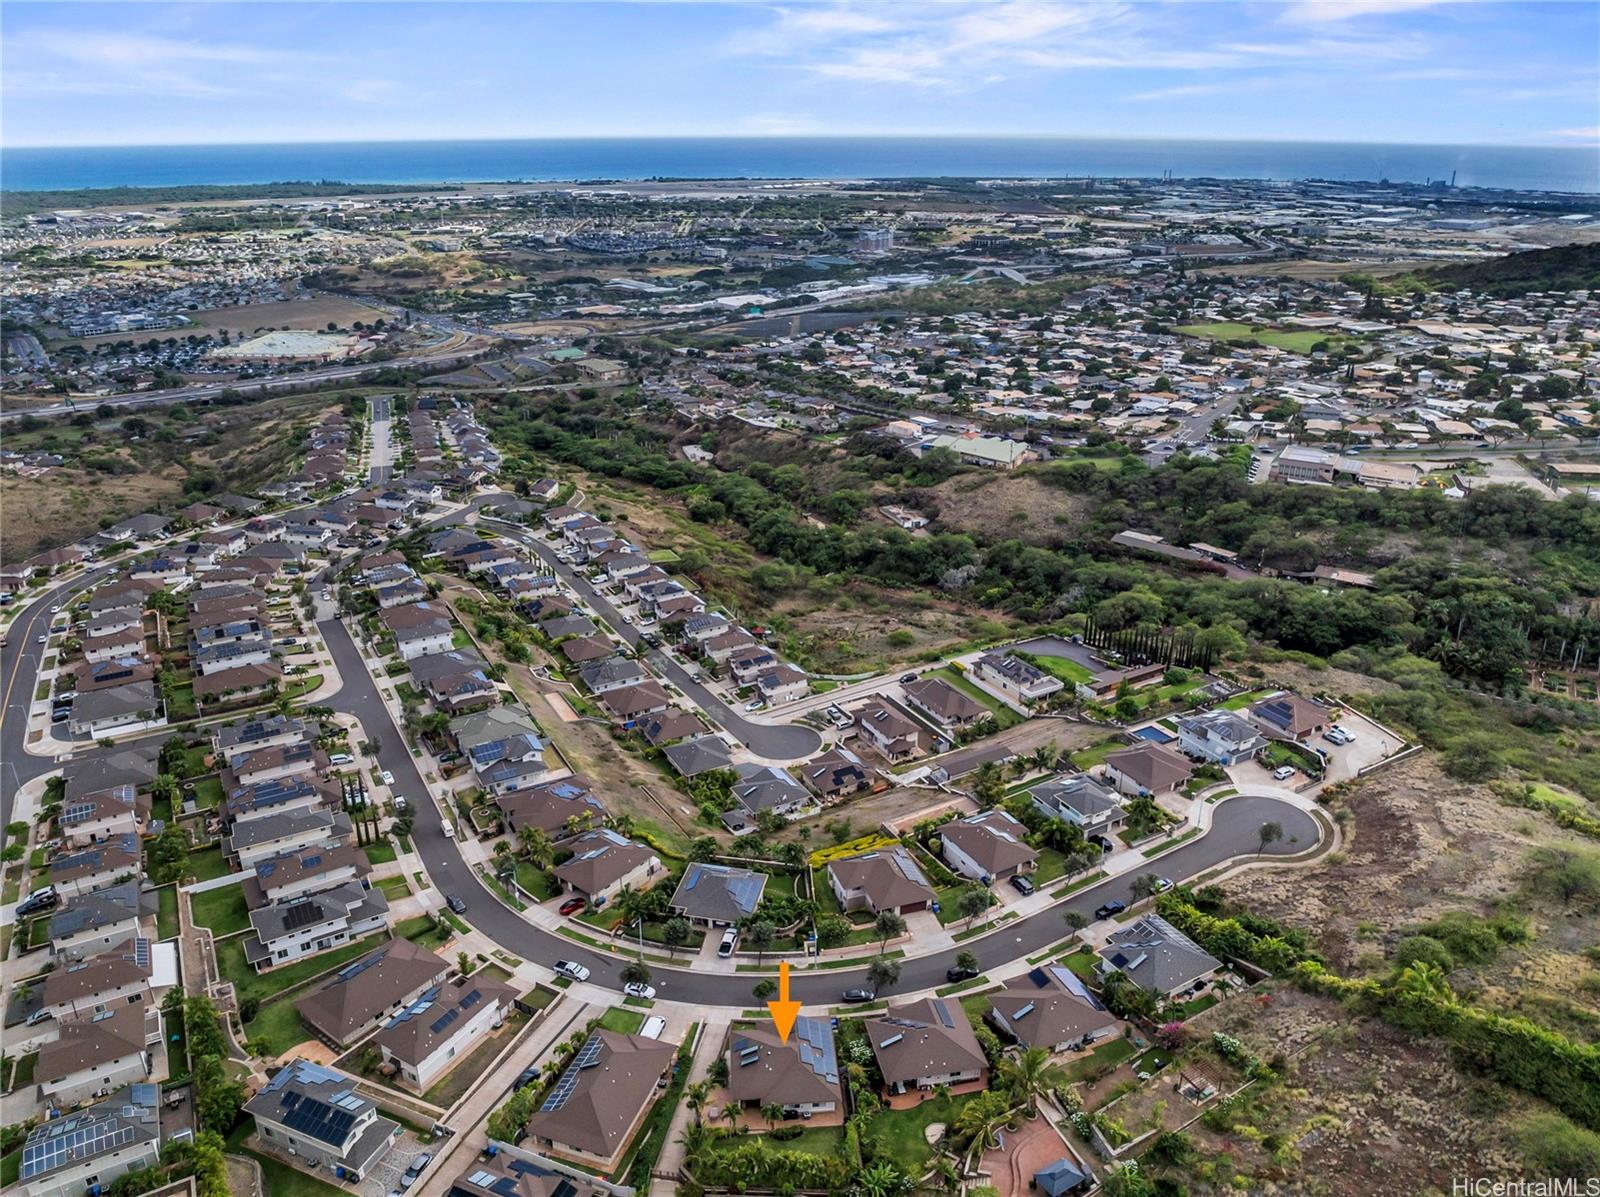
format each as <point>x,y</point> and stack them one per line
<point>1517,167</point>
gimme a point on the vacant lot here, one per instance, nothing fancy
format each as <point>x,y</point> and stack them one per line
<point>1296,341</point>
<point>109,476</point>
<point>1003,506</point>
<point>248,319</point>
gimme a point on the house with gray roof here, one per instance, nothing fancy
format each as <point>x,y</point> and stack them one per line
<point>1156,956</point>
<point>603,862</point>
<point>887,879</point>
<point>1219,736</point>
<point>714,895</point>
<point>318,1114</point>
<point>311,923</point>
<point>369,990</point>
<point>1082,800</point>
<point>94,1146</point>
<point>800,1075</point>
<point>598,1104</point>
<point>702,754</point>
<point>97,922</point>
<point>989,846</point>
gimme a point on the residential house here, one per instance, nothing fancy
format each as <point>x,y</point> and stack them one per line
<point>95,868</point>
<point>235,740</point>
<point>891,733</point>
<point>92,1148</point>
<point>441,1026</point>
<point>702,754</point>
<point>419,628</point>
<point>604,862</point>
<point>944,704</point>
<point>669,726</point>
<point>503,746</point>
<point>118,976</point>
<point>1147,769</point>
<point>1017,679</point>
<point>988,846</point>
<point>1079,799</point>
<point>96,922</point>
<point>317,1114</point>
<point>768,788</point>
<point>887,879</point>
<point>785,683</point>
<point>1289,715</point>
<point>250,842</point>
<point>97,816</point>
<point>292,875</point>
<point>1156,956</point>
<point>559,808</point>
<point>312,923</point>
<point>925,1044</point>
<point>95,1053</point>
<point>599,1103</point>
<point>800,1074</point>
<point>368,991</point>
<point>1051,1008</point>
<point>628,703</point>
<point>835,775</point>
<point>713,895</point>
<point>1219,736</point>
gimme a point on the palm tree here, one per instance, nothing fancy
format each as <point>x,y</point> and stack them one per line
<point>773,1113</point>
<point>1031,1075</point>
<point>535,844</point>
<point>694,1096</point>
<point>882,1179</point>
<point>730,1111</point>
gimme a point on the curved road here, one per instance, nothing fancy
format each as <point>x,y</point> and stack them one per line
<point>1233,833</point>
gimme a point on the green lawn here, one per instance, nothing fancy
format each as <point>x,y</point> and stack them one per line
<point>538,882</point>
<point>422,932</point>
<point>1087,758</point>
<point>248,983</point>
<point>1064,668</point>
<point>813,1140</point>
<point>180,703</point>
<point>622,1020</point>
<point>167,912</point>
<point>10,1169</point>
<point>460,639</point>
<point>208,793</point>
<point>380,852</point>
<point>1112,1053</point>
<point>1004,716</point>
<point>208,864</point>
<point>395,887</point>
<point>1227,330</point>
<point>278,1023</point>
<point>1051,866</point>
<point>22,1074</point>
<point>903,1130</point>
<point>223,910</point>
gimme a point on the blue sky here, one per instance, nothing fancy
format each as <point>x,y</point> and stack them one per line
<point>1337,70</point>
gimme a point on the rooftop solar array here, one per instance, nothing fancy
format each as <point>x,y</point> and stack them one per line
<point>588,1056</point>
<point>814,1040</point>
<point>87,1135</point>
<point>942,1009</point>
<point>316,1118</point>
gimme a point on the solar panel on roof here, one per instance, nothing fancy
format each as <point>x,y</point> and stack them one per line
<point>302,914</point>
<point>472,999</point>
<point>892,1040</point>
<point>444,1020</point>
<point>942,1009</point>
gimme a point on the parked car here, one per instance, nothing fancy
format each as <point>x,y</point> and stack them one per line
<point>730,940</point>
<point>60,716</point>
<point>857,996</point>
<point>908,677</point>
<point>386,777</point>
<point>1023,885</point>
<point>42,640</point>
<point>754,705</point>
<point>1107,909</point>
<point>527,1077</point>
<point>1102,843</point>
<point>639,990</point>
<point>572,906</point>
<point>39,899</point>
<point>400,802</point>
<point>572,969</point>
<point>1283,773</point>
<point>956,973</point>
<point>1162,884</point>
<point>454,902</point>
<point>414,1169</point>
<point>341,758</point>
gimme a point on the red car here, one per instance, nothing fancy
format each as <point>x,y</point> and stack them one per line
<point>573,905</point>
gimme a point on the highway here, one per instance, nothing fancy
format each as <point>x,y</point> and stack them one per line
<point>264,386</point>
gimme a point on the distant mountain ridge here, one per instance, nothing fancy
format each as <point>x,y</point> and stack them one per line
<point>1564,268</point>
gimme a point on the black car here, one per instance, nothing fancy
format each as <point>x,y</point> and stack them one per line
<point>454,902</point>
<point>1110,908</point>
<point>526,1077</point>
<point>1102,843</point>
<point>1022,885</point>
<point>857,996</point>
<point>957,973</point>
<point>43,900</point>
<point>909,677</point>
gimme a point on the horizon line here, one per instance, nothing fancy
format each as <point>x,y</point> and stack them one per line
<point>1575,144</point>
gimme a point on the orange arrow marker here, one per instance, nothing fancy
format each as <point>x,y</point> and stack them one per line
<point>784,1012</point>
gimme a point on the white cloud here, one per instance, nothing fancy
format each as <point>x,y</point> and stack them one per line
<point>1328,12</point>
<point>1590,134</point>
<point>91,63</point>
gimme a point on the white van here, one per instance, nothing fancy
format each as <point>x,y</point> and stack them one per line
<point>653,1026</point>
<point>449,830</point>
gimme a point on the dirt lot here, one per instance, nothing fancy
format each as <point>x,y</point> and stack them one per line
<point>1418,845</point>
<point>254,442</point>
<point>1009,505</point>
<point>1360,1109</point>
<point>311,314</point>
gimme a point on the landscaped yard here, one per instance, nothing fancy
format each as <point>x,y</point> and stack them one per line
<point>395,887</point>
<point>422,931</point>
<point>622,1020</point>
<point>380,851</point>
<point>1105,1057</point>
<point>207,864</point>
<point>249,983</point>
<point>540,883</point>
<point>278,1025</point>
<point>223,910</point>
<point>1064,668</point>
<point>1087,758</point>
<point>167,911</point>
<point>903,1131</point>
<point>1004,716</point>
<point>208,793</point>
